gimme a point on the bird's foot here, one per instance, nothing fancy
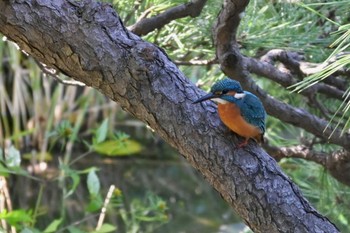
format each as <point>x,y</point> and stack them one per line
<point>243,144</point>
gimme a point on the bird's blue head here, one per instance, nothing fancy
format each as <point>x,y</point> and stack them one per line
<point>224,89</point>
<point>226,85</point>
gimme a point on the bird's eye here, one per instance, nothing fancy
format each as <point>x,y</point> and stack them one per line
<point>225,91</point>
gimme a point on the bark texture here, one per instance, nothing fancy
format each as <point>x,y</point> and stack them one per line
<point>87,41</point>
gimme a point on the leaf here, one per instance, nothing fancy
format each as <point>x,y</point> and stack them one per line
<point>101,132</point>
<point>75,230</point>
<point>93,183</point>
<point>45,156</point>
<point>53,226</point>
<point>105,228</point>
<point>16,216</point>
<point>30,230</point>
<point>118,147</point>
<point>95,203</point>
<point>74,175</point>
<point>76,180</point>
<point>13,158</point>
<point>26,230</point>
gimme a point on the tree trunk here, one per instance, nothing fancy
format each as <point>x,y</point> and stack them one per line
<point>88,42</point>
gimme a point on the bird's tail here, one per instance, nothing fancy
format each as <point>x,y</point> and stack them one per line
<point>260,138</point>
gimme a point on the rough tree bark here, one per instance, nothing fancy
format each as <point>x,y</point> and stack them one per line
<point>87,41</point>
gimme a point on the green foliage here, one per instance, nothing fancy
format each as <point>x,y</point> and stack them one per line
<point>93,183</point>
<point>120,143</point>
<point>10,161</point>
<point>118,147</point>
<point>69,179</point>
<point>17,218</point>
<point>101,133</point>
<point>285,25</point>
<point>53,226</point>
<point>339,59</point>
<point>133,215</point>
<point>327,195</point>
<point>152,209</point>
<point>105,228</point>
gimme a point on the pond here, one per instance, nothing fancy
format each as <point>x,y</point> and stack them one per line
<point>193,205</point>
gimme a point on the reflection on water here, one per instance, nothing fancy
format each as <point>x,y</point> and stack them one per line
<point>194,206</point>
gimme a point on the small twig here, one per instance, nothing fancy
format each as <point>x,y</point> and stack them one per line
<point>6,199</point>
<point>2,204</point>
<point>137,5</point>
<point>53,73</point>
<point>92,216</point>
<point>104,208</point>
<point>80,157</point>
<point>197,62</point>
<point>146,13</point>
<point>314,102</point>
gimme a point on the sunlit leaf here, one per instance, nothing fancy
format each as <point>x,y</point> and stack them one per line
<point>95,203</point>
<point>343,219</point>
<point>15,217</point>
<point>118,147</point>
<point>101,132</point>
<point>53,226</point>
<point>28,230</point>
<point>75,230</point>
<point>43,156</point>
<point>13,158</point>
<point>93,183</point>
<point>105,228</point>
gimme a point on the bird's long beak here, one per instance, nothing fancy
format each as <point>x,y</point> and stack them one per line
<point>206,97</point>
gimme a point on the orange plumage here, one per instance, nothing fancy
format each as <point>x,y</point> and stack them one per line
<point>231,116</point>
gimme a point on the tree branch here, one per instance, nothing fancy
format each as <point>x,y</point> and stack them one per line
<point>292,61</point>
<point>337,163</point>
<point>265,67</point>
<point>87,41</point>
<point>146,25</point>
<point>298,151</point>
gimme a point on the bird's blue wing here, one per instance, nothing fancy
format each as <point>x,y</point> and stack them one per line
<point>252,110</point>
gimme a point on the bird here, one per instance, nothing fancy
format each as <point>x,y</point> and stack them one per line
<point>241,111</point>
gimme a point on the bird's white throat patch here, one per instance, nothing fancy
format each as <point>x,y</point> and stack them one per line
<point>239,95</point>
<point>220,101</point>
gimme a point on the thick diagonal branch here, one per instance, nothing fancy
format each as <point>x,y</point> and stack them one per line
<point>87,41</point>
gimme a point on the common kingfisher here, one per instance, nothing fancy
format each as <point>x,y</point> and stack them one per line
<point>239,110</point>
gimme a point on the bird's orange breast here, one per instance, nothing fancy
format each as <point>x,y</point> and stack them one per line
<point>231,116</point>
